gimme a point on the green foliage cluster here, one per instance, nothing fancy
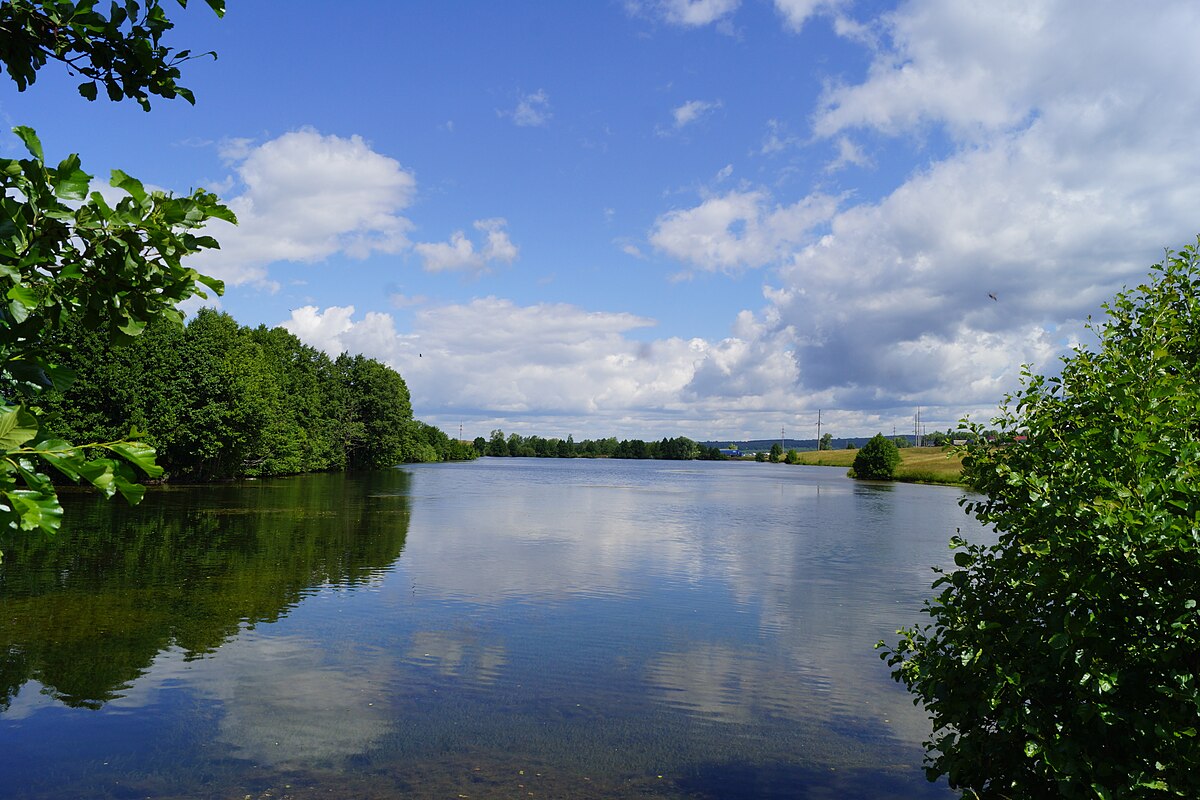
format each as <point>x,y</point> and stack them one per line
<point>122,51</point>
<point>67,252</point>
<point>877,459</point>
<point>220,400</point>
<point>826,442</point>
<point>1064,661</point>
<point>676,449</point>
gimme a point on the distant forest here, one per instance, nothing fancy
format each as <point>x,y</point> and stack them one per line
<point>515,445</point>
<point>679,448</point>
<point>221,400</point>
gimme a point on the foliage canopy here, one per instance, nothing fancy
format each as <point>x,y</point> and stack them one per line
<point>1064,661</point>
<point>122,51</point>
<point>877,459</point>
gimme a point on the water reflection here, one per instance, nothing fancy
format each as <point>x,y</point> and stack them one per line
<point>285,705</point>
<point>459,655</point>
<point>86,612</point>
<point>578,629</point>
<point>777,581</point>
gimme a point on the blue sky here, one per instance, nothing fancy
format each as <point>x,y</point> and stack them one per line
<point>674,217</point>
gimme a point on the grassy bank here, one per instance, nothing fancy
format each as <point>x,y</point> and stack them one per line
<point>917,464</point>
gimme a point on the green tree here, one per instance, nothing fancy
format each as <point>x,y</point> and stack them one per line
<point>776,453</point>
<point>379,413</point>
<point>1063,661</point>
<point>497,445</point>
<point>877,459</point>
<point>826,442</point>
<point>793,456</point>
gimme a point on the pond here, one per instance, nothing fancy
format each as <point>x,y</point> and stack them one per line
<point>501,628</point>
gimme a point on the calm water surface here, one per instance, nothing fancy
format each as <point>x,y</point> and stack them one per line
<point>505,628</point>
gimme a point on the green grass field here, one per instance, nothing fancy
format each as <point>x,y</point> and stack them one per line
<point>917,464</point>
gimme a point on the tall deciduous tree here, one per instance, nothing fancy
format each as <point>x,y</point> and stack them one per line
<point>1064,661</point>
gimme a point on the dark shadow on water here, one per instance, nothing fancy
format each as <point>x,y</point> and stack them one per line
<point>874,487</point>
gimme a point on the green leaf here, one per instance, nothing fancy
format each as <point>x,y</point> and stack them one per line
<point>32,143</point>
<point>88,90</point>
<point>218,211</point>
<point>216,285</point>
<point>17,426</point>
<point>24,295</point>
<point>130,185</point>
<point>140,455</point>
<point>131,491</point>
<point>36,509</point>
<point>71,183</point>
<point>63,456</point>
<point>132,327</point>
<point>99,473</point>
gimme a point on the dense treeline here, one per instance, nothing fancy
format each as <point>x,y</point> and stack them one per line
<point>677,449</point>
<point>221,400</point>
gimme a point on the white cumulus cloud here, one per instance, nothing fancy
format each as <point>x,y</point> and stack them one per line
<point>739,229</point>
<point>1069,167</point>
<point>305,196</point>
<point>460,253</point>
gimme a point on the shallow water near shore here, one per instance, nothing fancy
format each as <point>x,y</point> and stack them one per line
<point>501,628</point>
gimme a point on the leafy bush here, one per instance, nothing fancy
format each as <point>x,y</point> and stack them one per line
<point>877,459</point>
<point>1064,661</point>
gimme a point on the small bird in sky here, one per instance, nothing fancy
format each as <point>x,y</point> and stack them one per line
<point>993,296</point>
